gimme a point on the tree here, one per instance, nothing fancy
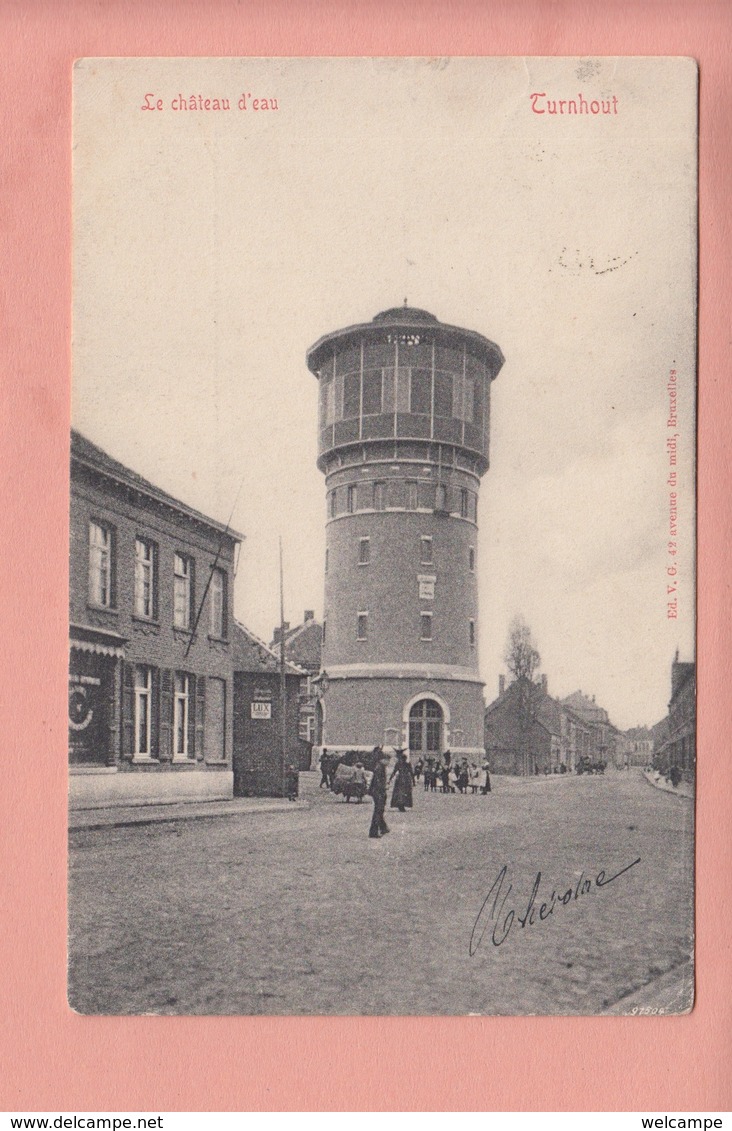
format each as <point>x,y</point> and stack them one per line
<point>522,659</point>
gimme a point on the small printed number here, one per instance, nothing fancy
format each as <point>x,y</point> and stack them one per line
<point>647,1011</point>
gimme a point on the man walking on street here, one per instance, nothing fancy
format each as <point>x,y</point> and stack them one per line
<point>377,789</point>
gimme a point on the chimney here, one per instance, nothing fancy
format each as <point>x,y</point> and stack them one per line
<point>277,631</point>
<point>544,684</point>
<point>309,615</point>
<point>501,684</point>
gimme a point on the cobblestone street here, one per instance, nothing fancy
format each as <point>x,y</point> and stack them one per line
<point>299,912</point>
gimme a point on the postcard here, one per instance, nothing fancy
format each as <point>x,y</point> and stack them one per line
<point>382,565</point>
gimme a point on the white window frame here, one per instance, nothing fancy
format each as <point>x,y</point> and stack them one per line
<point>364,551</point>
<point>425,619</point>
<point>181,715</point>
<point>362,620</point>
<point>100,565</point>
<point>426,548</point>
<point>143,695</point>
<point>144,570</point>
<point>181,584</point>
<point>217,606</point>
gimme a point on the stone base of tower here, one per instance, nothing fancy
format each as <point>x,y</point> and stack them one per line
<point>426,716</point>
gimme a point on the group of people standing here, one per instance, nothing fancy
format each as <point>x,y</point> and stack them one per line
<point>453,775</point>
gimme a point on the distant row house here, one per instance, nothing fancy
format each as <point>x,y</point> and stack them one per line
<point>529,732</point>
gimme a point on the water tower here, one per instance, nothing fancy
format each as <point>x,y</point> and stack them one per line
<point>403,443</point>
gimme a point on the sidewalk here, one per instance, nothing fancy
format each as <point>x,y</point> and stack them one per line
<point>683,789</point>
<point>121,816</point>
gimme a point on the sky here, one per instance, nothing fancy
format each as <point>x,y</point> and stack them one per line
<point>212,248</point>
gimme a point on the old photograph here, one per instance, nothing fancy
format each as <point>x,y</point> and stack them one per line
<point>382,559</point>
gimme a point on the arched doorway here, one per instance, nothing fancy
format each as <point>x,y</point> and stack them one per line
<point>425,728</point>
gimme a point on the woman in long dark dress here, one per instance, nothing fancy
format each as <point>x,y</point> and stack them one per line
<point>403,777</point>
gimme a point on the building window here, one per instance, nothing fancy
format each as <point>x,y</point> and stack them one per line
<point>362,626</point>
<point>425,626</point>
<point>327,554</point>
<point>143,709</point>
<point>463,502</point>
<point>351,501</point>
<point>379,493</point>
<point>411,495</point>
<point>145,578</point>
<point>471,633</point>
<point>471,559</point>
<point>425,554</point>
<point>218,604</point>
<point>364,551</point>
<point>332,504</point>
<point>322,637</point>
<point>181,713</point>
<point>182,592</point>
<point>100,565</point>
<point>441,497</point>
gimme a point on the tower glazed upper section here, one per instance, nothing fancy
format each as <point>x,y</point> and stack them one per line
<point>404,377</point>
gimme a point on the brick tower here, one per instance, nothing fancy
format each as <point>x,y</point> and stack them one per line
<point>403,444</point>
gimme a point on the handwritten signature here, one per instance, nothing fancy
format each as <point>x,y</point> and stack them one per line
<point>494,918</point>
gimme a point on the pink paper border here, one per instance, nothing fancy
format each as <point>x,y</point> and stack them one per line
<point>55,1060</point>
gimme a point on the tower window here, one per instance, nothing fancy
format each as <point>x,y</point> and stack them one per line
<point>471,559</point>
<point>327,554</point>
<point>425,555</point>
<point>379,493</point>
<point>463,502</point>
<point>471,633</point>
<point>362,626</point>
<point>371,392</point>
<point>425,620</point>
<point>421,392</point>
<point>332,504</point>
<point>411,494</point>
<point>351,499</point>
<point>441,497</point>
<point>351,396</point>
<point>364,551</point>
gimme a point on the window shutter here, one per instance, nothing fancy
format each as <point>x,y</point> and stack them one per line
<point>155,713</point>
<point>198,690</point>
<point>192,606</point>
<point>128,710</point>
<point>112,567</point>
<point>166,715</point>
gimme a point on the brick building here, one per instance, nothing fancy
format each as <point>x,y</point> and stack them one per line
<point>403,444</point>
<point>150,670</point>
<point>675,736</point>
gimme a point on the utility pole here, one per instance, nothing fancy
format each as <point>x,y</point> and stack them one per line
<point>283,682</point>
